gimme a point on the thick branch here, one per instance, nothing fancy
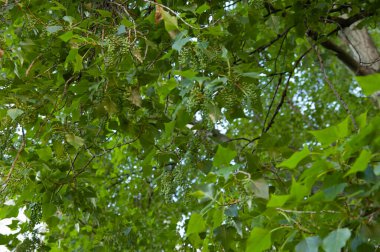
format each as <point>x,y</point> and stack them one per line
<point>347,59</point>
<point>343,23</point>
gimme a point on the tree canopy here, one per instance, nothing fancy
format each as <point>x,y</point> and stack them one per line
<point>173,125</point>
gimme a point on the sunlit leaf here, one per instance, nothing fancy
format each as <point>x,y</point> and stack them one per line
<point>277,200</point>
<point>259,240</point>
<point>196,224</point>
<point>331,134</point>
<point>45,153</point>
<point>369,84</point>
<point>361,162</point>
<point>66,36</point>
<point>292,162</point>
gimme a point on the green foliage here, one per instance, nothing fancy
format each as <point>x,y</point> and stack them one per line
<point>187,125</point>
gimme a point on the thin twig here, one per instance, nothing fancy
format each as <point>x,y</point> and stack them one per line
<point>251,141</point>
<point>285,90</point>
<point>279,36</point>
<point>21,148</point>
<point>306,212</point>
<point>130,17</point>
<point>331,86</point>
<point>271,103</point>
<point>31,65</point>
<point>238,139</point>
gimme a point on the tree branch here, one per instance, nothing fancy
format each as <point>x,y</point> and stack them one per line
<point>285,90</point>
<point>21,148</point>
<point>331,86</point>
<point>347,59</point>
<point>263,47</point>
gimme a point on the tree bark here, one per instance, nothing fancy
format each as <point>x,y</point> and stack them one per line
<point>362,47</point>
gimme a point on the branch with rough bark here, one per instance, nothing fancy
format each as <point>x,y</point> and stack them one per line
<point>347,59</point>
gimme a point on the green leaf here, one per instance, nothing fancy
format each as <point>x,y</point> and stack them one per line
<point>171,23</point>
<point>325,136</point>
<point>66,36</point>
<point>260,188</point>
<point>376,169</point>
<point>204,7</point>
<point>75,141</point>
<point>369,83</point>
<point>169,128</point>
<point>196,224</point>
<point>293,161</point>
<point>362,120</point>
<point>226,171</point>
<point>75,59</point>
<point>104,13</point>
<point>127,23</point>
<point>360,163</point>
<point>14,113</point>
<point>69,19</point>
<point>187,74</point>
<point>5,239</point>
<point>45,153</point>
<point>223,156</point>
<point>343,128</point>
<point>336,240</point>
<point>332,192</point>
<point>48,209</point>
<point>195,240</point>
<point>331,134</point>
<point>181,40</point>
<point>277,200</point>
<point>13,225</point>
<point>253,75</point>
<point>298,191</point>
<point>309,244</point>
<point>8,211</point>
<point>58,6</point>
<point>198,194</point>
<point>259,240</point>
<point>165,88</point>
<point>274,23</point>
<point>218,217</point>
<point>205,245</point>
<point>121,30</point>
